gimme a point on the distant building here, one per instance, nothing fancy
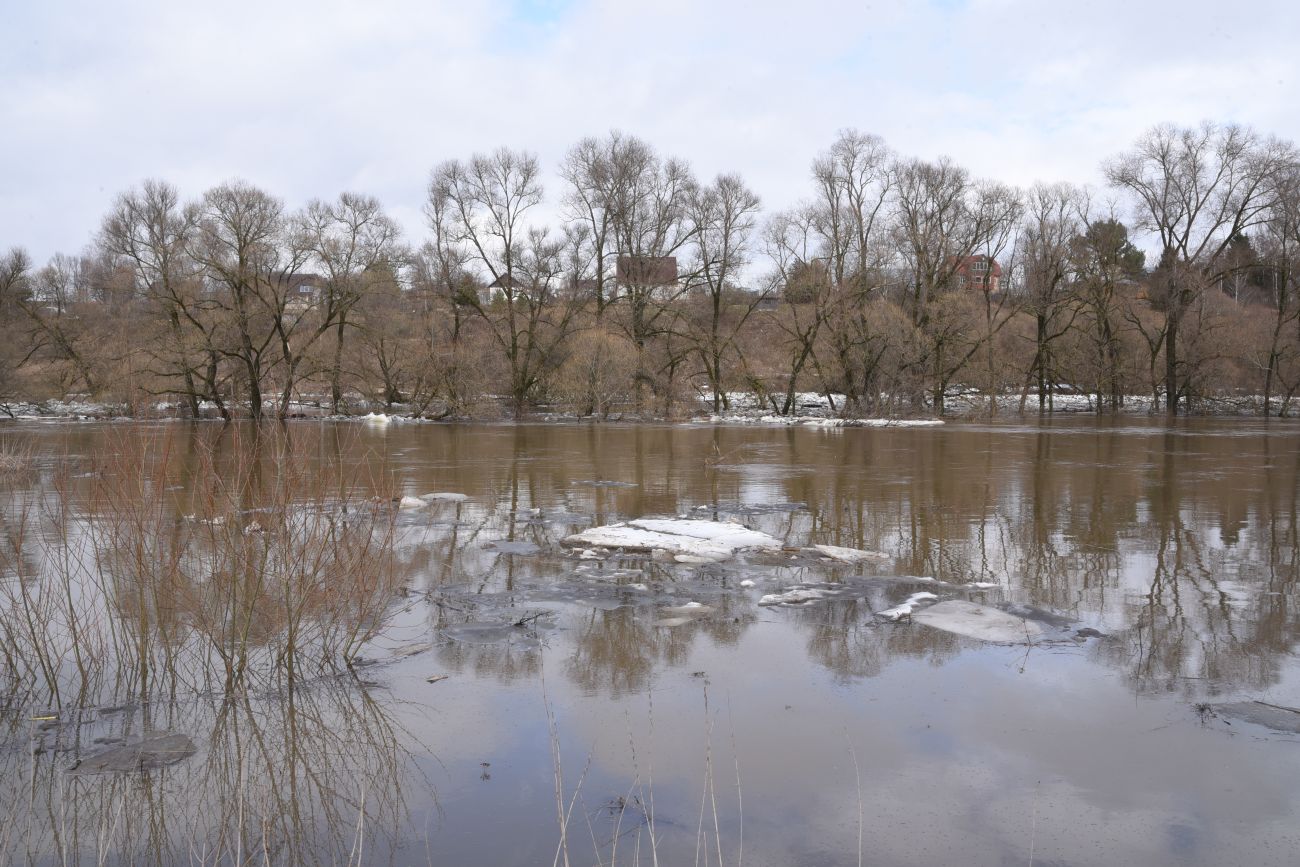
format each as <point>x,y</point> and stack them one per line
<point>301,289</point>
<point>496,290</point>
<point>978,272</point>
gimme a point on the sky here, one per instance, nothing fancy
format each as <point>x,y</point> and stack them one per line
<point>309,99</point>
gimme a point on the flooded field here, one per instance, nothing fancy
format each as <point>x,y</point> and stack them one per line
<point>1070,643</point>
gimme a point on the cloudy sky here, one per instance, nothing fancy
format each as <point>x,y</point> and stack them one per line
<point>312,98</point>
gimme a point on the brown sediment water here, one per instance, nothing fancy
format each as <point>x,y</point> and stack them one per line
<point>1120,590</point>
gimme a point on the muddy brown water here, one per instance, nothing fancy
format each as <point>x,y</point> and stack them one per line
<point>517,681</point>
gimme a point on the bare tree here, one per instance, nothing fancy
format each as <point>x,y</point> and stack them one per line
<point>804,282</point>
<point>15,288</point>
<point>723,215</point>
<point>1194,189</point>
<point>484,203</point>
<point>1054,215</point>
<point>596,173</point>
<point>241,244</point>
<point>351,241</point>
<point>942,217</point>
<point>151,229</point>
<point>1101,258</point>
<point>852,183</point>
<point>1281,241</point>
<point>650,221</point>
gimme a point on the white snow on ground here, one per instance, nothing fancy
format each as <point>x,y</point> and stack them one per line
<point>906,606</point>
<point>979,621</point>
<point>848,555</point>
<point>689,540</point>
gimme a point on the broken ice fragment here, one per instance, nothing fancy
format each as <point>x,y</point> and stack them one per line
<point>848,555</point>
<point>979,621</point>
<point>905,607</point>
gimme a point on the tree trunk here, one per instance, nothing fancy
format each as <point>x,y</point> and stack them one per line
<point>1171,364</point>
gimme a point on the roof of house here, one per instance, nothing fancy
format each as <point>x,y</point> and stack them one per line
<point>505,281</point>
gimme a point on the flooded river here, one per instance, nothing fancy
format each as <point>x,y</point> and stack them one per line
<point>523,697</point>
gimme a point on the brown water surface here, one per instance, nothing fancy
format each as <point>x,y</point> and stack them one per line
<point>516,681</point>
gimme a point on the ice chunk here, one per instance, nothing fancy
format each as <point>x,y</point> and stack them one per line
<point>445,496</point>
<point>694,609</point>
<point>706,540</point>
<point>848,555</point>
<point>979,621</point>
<point>1273,716</point>
<point>796,596</point>
<point>376,418</point>
<point>906,606</point>
<point>409,503</point>
<point>747,583</point>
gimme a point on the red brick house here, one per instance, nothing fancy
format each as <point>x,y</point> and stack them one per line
<point>977,272</point>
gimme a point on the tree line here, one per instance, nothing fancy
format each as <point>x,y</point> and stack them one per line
<point>653,291</point>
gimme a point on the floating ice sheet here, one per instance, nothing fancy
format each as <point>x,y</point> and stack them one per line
<point>691,540</point>
<point>979,621</point>
<point>1273,716</point>
<point>848,555</point>
<point>444,496</point>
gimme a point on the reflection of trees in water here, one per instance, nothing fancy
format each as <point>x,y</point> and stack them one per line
<point>316,776</point>
<point>618,651</point>
<point>847,638</point>
<point>1173,539</point>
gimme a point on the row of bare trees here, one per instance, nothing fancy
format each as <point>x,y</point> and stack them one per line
<point>863,292</point>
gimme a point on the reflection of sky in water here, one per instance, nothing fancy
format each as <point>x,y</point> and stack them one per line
<point>1180,546</point>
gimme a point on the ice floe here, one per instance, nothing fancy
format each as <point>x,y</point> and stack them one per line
<point>444,496</point>
<point>848,555</point>
<point>797,596</point>
<point>411,503</point>
<point>688,540</point>
<point>1260,713</point>
<point>979,621</point>
<point>906,607</point>
<point>680,615</point>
